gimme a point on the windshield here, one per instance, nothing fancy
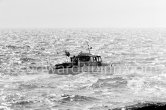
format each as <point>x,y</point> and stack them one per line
<point>99,59</point>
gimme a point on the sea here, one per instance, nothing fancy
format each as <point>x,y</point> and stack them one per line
<point>137,56</point>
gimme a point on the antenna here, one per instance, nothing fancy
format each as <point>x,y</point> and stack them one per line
<point>88,46</point>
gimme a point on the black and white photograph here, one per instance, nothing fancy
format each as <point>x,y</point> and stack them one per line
<point>82,54</point>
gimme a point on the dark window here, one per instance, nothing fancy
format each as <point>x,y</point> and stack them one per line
<point>84,58</point>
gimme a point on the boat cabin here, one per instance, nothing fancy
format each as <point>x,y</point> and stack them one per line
<point>86,59</point>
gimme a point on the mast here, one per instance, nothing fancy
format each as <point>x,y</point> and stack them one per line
<point>89,47</point>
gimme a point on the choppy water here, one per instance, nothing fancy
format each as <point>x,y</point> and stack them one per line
<point>22,89</point>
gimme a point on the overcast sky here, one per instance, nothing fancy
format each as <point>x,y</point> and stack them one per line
<point>82,13</point>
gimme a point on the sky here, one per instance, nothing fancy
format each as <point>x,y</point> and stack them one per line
<point>82,13</point>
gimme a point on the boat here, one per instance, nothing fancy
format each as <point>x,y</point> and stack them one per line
<point>83,62</point>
